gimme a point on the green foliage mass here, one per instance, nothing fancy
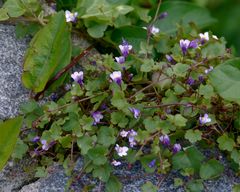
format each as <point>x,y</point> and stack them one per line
<point>189,96</point>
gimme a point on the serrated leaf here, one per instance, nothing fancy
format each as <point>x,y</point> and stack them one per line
<point>106,136</point>
<point>225,78</point>
<point>3,14</point>
<point>119,118</point>
<point>85,143</point>
<point>193,135</point>
<point>9,131</point>
<point>49,52</point>
<point>195,186</point>
<point>211,169</point>
<point>14,8</point>
<point>98,155</point>
<point>190,158</point>
<point>225,142</point>
<point>20,149</point>
<point>113,184</point>
<point>102,172</point>
<point>148,186</point>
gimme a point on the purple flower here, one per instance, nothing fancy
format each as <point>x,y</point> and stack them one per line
<point>136,112</point>
<point>170,59</point>
<point>97,116</point>
<point>71,17</point>
<point>131,137</point>
<point>176,148</point>
<point>120,59</point>
<point>78,77</point>
<point>45,145</point>
<point>116,76</point>
<point>125,48</point>
<point>201,78</point>
<point>36,139</point>
<point>193,44</point>
<point>165,140</point>
<point>190,81</point>
<point>152,163</point>
<point>205,119</point>
<point>163,15</point>
<point>154,30</point>
<point>184,45</point>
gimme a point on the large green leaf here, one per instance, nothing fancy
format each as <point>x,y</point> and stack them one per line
<point>9,131</point>
<point>211,169</point>
<point>183,13</point>
<point>49,52</point>
<point>225,78</point>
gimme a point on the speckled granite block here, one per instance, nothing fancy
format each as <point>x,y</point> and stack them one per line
<point>12,92</point>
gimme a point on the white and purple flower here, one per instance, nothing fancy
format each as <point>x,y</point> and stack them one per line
<point>131,137</point>
<point>78,77</point>
<point>136,112</point>
<point>205,119</point>
<point>165,140</point>
<point>116,76</point>
<point>204,37</point>
<point>176,148</point>
<point>125,48</point>
<point>124,133</point>
<point>116,163</point>
<point>120,59</point>
<point>170,59</point>
<point>121,151</point>
<point>184,44</point>
<point>97,116</point>
<point>45,145</point>
<point>71,17</point>
<point>208,70</point>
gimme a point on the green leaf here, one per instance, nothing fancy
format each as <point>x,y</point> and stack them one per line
<point>97,155</point>
<point>41,172</point>
<point>214,50</point>
<point>190,158</point>
<point>95,29</point>
<point>148,186</point>
<point>152,124</point>
<point>195,186</point>
<point>211,169</point>
<point>20,149</point>
<point>147,65</point>
<point>113,184</point>
<point>49,52</point>
<point>85,143</point>
<point>236,188</point>
<point>225,142</point>
<point>178,120</point>
<point>119,118</point>
<point>14,8</point>
<point>9,131</point>
<point>225,78</point>
<point>206,90</point>
<point>102,172</point>
<point>183,13</point>
<point>106,136</point>
<point>193,135</point>
<point>86,123</point>
<point>235,155</point>
<point>180,69</point>
<point>3,14</point>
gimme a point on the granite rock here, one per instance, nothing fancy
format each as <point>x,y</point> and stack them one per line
<point>12,92</point>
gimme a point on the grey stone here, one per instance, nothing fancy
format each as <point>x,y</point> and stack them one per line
<point>12,92</point>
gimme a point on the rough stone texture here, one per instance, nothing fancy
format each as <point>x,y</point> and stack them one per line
<point>11,57</point>
<point>132,180</point>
